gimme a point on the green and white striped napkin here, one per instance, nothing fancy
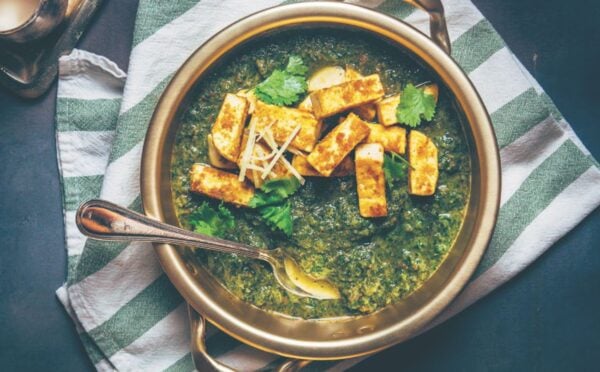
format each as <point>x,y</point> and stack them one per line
<point>128,314</point>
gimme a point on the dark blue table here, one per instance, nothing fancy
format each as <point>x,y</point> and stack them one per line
<point>546,319</point>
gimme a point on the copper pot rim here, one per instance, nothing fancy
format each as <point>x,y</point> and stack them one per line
<point>299,15</point>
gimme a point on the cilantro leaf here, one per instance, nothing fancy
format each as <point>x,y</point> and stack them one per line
<point>278,216</point>
<point>414,106</point>
<point>274,191</point>
<point>284,187</point>
<point>206,220</point>
<point>281,88</point>
<point>394,168</point>
<point>284,87</point>
<point>296,66</point>
<point>272,205</point>
<point>262,200</point>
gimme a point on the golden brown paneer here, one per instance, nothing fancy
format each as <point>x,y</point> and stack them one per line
<point>227,129</point>
<point>221,185</point>
<point>284,120</point>
<point>352,74</point>
<point>386,110</point>
<point>367,111</point>
<point>326,77</point>
<point>260,157</point>
<point>345,168</point>
<point>433,90</point>
<point>337,144</point>
<point>370,180</point>
<point>251,97</point>
<point>333,100</point>
<point>215,158</point>
<point>392,138</point>
<point>305,105</point>
<point>423,159</point>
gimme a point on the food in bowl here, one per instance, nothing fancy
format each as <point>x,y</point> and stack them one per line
<point>338,148</point>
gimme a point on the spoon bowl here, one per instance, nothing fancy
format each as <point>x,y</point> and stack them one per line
<point>103,220</point>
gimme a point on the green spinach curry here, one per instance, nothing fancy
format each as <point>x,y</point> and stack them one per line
<point>373,262</point>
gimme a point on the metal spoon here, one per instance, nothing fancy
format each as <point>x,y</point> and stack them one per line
<point>103,220</point>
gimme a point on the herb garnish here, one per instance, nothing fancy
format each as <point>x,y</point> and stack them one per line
<point>206,220</point>
<point>278,216</point>
<point>414,106</point>
<point>284,87</point>
<point>272,204</point>
<point>296,66</point>
<point>394,167</point>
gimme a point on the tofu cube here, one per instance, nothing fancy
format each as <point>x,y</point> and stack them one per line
<point>386,110</point>
<point>283,121</point>
<point>423,158</point>
<point>221,185</point>
<point>345,168</point>
<point>227,129</point>
<point>333,100</point>
<point>391,138</point>
<point>370,180</point>
<point>337,144</point>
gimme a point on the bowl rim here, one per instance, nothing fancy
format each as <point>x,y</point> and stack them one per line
<point>322,13</point>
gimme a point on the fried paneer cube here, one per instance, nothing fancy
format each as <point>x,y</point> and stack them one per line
<point>391,138</point>
<point>345,168</point>
<point>386,110</point>
<point>305,105</point>
<point>352,74</point>
<point>250,96</point>
<point>423,158</point>
<point>282,122</point>
<point>333,100</point>
<point>433,90</point>
<point>227,129</point>
<point>337,144</point>
<point>368,111</point>
<point>326,77</point>
<point>221,185</point>
<point>370,180</point>
<point>215,158</point>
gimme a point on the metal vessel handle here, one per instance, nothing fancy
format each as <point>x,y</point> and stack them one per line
<point>437,22</point>
<point>204,362</point>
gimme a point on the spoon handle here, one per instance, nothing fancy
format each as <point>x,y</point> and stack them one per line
<point>103,220</point>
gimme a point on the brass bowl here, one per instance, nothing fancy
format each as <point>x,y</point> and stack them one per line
<point>333,338</point>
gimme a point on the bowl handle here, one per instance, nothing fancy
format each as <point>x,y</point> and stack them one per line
<point>204,362</point>
<point>437,21</point>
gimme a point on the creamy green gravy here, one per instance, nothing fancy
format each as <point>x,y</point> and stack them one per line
<point>374,262</point>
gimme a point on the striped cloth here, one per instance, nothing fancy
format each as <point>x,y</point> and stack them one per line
<point>128,314</point>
